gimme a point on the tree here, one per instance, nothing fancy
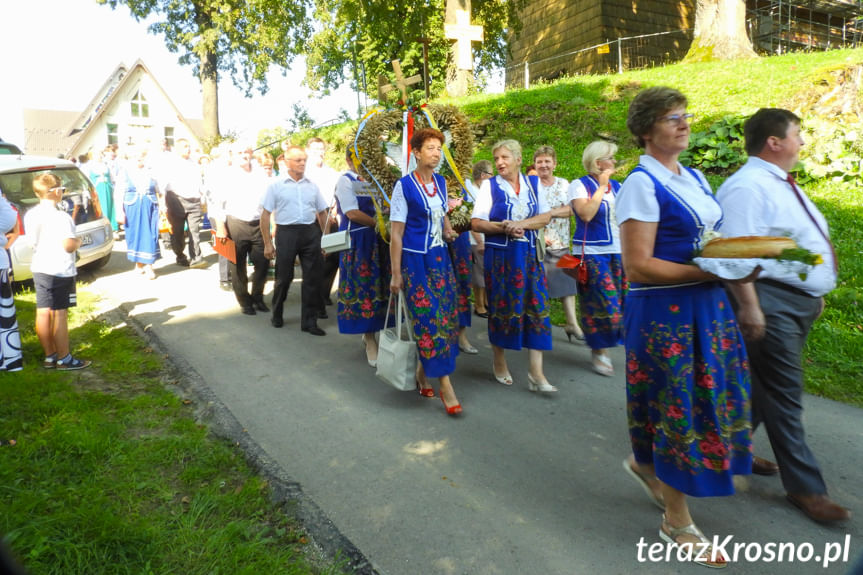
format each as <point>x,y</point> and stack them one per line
<point>357,40</point>
<point>241,38</point>
<point>720,31</point>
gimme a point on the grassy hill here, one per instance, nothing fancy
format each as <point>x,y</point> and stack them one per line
<point>823,88</point>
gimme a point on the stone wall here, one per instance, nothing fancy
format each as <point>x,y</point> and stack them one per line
<point>560,37</point>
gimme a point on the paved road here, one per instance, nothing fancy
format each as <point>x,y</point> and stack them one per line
<point>521,484</point>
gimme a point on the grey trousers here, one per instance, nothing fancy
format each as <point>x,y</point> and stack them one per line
<point>777,384</point>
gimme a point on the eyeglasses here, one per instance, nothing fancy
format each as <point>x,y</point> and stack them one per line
<point>489,174</point>
<point>676,119</point>
<point>60,189</point>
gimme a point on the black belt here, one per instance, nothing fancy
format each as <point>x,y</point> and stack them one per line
<point>296,225</point>
<point>249,222</point>
<point>785,287</point>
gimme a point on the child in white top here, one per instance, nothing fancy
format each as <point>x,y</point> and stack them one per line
<point>53,267</point>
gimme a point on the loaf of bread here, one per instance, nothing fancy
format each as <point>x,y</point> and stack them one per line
<point>747,247</point>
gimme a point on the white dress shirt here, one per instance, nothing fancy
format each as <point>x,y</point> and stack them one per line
<point>519,202</point>
<point>758,201</point>
<point>294,202</point>
<point>577,191</point>
<point>183,178</point>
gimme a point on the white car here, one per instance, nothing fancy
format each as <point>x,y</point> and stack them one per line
<point>80,201</point>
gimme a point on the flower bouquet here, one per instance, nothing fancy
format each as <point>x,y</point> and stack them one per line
<point>459,214</point>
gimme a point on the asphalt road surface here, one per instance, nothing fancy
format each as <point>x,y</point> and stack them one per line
<point>520,484</point>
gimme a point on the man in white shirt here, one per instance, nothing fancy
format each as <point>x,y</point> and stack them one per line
<point>183,188</point>
<point>776,312</point>
<point>237,215</point>
<point>300,212</point>
<point>325,178</point>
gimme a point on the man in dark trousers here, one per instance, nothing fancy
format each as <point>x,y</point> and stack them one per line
<point>239,194</point>
<point>776,312</point>
<point>299,211</point>
<point>183,192</point>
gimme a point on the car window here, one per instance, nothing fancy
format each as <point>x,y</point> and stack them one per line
<point>10,149</point>
<point>80,200</point>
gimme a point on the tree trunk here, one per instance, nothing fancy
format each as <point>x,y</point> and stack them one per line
<point>457,81</point>
<point>720,32</point>
<point>210,97</point>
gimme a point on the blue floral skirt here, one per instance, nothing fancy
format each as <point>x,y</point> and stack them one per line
<point>517,297</point>
<point>600,302</point>
<point>688,387</point>
<point>459,251</point>
<point>364,284</point>
<point>431,297</point>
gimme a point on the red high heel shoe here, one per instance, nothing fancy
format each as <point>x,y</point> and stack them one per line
<point>425,391</point>
<point>454,410</point>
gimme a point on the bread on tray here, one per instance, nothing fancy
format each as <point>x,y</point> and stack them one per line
<point>748,247</point>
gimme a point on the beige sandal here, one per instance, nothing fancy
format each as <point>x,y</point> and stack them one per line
<point>643,480</point>
<point>702,553</point>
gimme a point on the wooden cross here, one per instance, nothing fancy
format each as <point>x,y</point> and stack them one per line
<point>402,83</point>
<point>463,34</point>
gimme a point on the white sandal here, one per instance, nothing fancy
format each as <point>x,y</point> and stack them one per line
<point>602,365</point>
<point>702,555</point>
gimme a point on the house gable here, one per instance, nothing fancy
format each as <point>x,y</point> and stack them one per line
<point>131,108</point>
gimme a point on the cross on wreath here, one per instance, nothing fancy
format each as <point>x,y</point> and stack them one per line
<point>401,83</point>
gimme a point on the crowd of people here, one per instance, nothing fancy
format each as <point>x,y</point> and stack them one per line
<point>707,359</point>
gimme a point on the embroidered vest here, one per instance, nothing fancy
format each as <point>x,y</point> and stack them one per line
<point>501,209</point>
<point>599,228</point>
<point>364,204</point>
<point>424,224</point>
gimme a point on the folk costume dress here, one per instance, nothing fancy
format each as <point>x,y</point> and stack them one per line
<point>687,375</point>
<point>141,204</point>
<point>460,253</point>
<point>429,283</point>
<point>100,175</point>
<point>600,301</point>
<point>514,276</point>
<point>364,269</point>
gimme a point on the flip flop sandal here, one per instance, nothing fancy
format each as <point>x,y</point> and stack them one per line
<point>642,480</point>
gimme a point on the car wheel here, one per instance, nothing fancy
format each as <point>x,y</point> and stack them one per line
<point>97,264</point>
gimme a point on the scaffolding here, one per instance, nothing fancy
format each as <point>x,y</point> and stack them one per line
<point>779,26</point>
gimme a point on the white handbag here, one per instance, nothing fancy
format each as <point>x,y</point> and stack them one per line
<point>397,357</point>
<point>336,242</point>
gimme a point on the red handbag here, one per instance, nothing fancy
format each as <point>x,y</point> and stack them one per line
<point>575,267</point>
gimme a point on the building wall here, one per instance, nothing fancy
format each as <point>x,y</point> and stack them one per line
<point>139,131</point>
<point>553,29</point>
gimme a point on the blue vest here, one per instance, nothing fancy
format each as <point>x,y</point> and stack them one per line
<point>364,204</point>
<point>599,228</point>
<point>680,227</point>
<point>418,226</point>
<point>501,209</point>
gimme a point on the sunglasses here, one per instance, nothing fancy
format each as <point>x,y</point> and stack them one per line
<point>60,189</point>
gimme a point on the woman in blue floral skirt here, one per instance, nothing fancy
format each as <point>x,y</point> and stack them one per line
<point>508,210</point>
<point>687,377</point>
<point>364,269</point>
<point>421,266</point>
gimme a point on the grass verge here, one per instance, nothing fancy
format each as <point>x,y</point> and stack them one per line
<point>111,473</point>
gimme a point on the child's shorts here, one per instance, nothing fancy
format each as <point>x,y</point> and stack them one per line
<point>54,292</point>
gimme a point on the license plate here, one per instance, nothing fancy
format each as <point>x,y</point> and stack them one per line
<point>86,240</point>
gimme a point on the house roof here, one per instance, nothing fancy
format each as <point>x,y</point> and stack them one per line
<point>54,132</point>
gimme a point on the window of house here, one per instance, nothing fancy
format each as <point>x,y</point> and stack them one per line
<point>140,107</point>
<point>113,135</point>
<point>169,136</point>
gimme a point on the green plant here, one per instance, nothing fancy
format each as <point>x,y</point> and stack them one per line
<point>719,149</point>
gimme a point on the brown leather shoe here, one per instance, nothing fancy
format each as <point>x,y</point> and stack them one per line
<point>818,507</point>
<point>761,466</point>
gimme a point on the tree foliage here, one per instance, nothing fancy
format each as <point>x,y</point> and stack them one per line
<point>356,40</point>
<point>240,38</point>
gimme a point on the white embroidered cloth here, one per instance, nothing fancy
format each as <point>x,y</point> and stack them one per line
<point>738,268</point>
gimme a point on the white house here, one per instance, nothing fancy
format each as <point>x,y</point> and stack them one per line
<point>130,108</point>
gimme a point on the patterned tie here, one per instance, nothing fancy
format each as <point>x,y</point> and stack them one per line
<point>799,196</point>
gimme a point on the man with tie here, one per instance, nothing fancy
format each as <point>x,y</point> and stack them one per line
<point>300,213</point>
<point>776,312</point>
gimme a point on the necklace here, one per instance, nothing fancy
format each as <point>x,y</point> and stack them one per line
<point>517,187</point>
<point>423,185</point>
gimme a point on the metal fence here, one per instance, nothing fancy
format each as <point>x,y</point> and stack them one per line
<point>621,54</point>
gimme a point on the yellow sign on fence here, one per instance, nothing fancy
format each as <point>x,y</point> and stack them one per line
<point>604,49</point>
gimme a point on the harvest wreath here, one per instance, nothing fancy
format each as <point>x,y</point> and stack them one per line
<point>380,127</point>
